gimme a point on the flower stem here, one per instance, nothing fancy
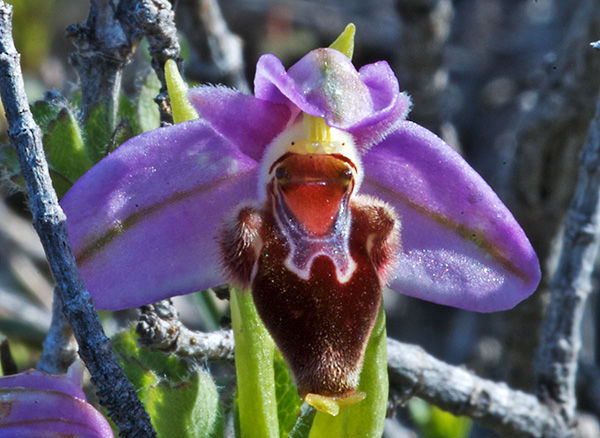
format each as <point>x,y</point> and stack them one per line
<point>254,351</point>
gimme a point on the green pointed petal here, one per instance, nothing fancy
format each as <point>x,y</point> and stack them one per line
<point>345,42</point>
<point>183,110</point>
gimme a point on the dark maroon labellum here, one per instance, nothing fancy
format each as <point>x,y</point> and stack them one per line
<point>315,257</point>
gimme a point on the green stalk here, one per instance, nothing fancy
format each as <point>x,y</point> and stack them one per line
<point>254,351</point>
<point>366,418</point>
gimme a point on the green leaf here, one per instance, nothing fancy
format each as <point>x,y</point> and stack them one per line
<point>208,311</point>
<point>10,171</point>
<point>148,116</point>
<point>288,401</point>
<point>97,134</point>
<point>123,132</point>
<point>254,351</point>
<point>306,416</point>
<point>434,422</point>
<point>182,399</point>
<point>65,150</point>
<point>127,111</point>
<point>45,112</point>
<point>366,418</point>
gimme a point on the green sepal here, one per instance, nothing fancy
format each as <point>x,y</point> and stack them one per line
<point>366,418</point>
<point>181,398</point>
<point>254,354</point>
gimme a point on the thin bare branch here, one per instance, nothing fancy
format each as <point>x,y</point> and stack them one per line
<point>571,285</point>
<point>544,171</point>
<point>60,347</point>
<point>218,56</point>
<point>494,405</point>
<point>104,46</point>
<point>425,30</point>
<point>160,328</point>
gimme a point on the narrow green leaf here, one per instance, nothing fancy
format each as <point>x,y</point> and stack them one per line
<point>366,418</point>
<point>254,351</point>
<point>288,400</point>
<point>208,311</point>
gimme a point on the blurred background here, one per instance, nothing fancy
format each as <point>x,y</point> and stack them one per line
<point>511,84</point>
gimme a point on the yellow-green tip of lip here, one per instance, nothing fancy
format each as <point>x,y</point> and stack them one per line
<point>180,105</point>
<point>333,405</point>
<point>345,42</point>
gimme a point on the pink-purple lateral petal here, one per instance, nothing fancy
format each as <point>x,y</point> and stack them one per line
<point>34,404</point>
<point>246,121</point>
<point>143,221</point>
<point>460,244</point>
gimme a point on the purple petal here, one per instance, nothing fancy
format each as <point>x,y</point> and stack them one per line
<point>143,221</point>
<point>390,107</point>
<point>37,379</point>
<point>461,245</point>
<point>324,83</point>
<point>34,404</point>
<point>26,412</point>
<point>244,120</point>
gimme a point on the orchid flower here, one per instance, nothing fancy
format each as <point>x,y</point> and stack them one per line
<point>35,404</point>
<point>315,193</point>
